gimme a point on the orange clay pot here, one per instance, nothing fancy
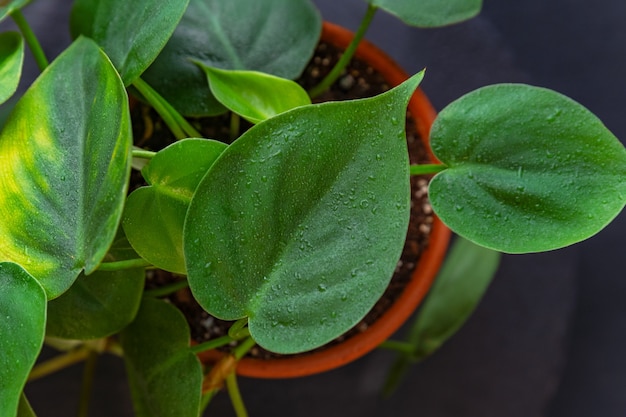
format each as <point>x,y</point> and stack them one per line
<point>425,271</point>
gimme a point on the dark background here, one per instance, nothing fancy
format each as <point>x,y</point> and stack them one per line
<point>549,337</point>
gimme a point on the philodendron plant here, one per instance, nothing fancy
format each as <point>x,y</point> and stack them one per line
<point>293,230</point>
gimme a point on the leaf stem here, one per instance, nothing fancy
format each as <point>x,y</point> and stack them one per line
<point>31,39</point>
<point>88,377</point>
<point>167,289</point>
<point>398,346</point>
<point>142,153</point>
<point>426,169</point>
<point>235,395</point>
<point>235,124</point>
<point>59,362</point>
<point>179,126</point>
<point>121,265</point>
<point>241,350</point>
<point>347,54</point>
<point>238,330</point>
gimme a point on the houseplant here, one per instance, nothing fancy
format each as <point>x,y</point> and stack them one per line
<point>462,210</point>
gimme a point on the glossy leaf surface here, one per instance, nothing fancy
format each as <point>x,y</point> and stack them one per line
<point>253,95</point>
<point>272,36</point>
<point>154,215</point>
<point>165,376</point>
<point>8,6</point>
<point>529,169</point>
<point>22,322</point>
<point>459,287</point>
<point>299,224</point>
<point>11,60</point>
<point>64,164</point>
<point>107,301</point>
<point>132,33</point>
<point>430,13</point>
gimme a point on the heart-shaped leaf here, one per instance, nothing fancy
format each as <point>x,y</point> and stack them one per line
<point>165,376</point>
<point>22,322</point>
<point>529,169</point>
<point>430,13</point>
<point>301,221</point>
<point>107,301</point>
<point>66,162</point>
<point>154,215</point>
<point>132,33</point>
<point>11,59</point>
<point>253,95</point>
<point>272,36</point>
<point>7,7</point>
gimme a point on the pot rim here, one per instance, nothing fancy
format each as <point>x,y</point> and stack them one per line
<point>421,279</point>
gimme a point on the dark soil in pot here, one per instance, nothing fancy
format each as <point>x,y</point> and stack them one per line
<point>358,81</point>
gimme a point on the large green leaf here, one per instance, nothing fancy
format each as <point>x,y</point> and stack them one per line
<point>254,95</point>
<point>165,376</point>
<point>301,221</point>
<point>65,153</point>
<point>107,301</point>
<point>459,287</point>
<point>154,215</point>
<point>272,36</point>
<point>132,33</point>
<point>22,322</point>
<point>8,6</point>
<point>529,169</point>
<point>430,13</point>
<point>11,59</point>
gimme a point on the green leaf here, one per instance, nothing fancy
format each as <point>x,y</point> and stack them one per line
<point>430,13</point>
<point>301,221</point>
<point>255,96</point>
<point>529,169</point>
<point>22,322</point>
<point>132,33</point>
<point>107,301</point>
<point>165,376</point>
<point>459,287</point>
<point>11,59</point>
<point>154,215</point>
<point>273,36</point>
<point>8,7</point>
<point>66,163</point>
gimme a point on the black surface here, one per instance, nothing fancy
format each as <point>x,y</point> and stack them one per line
<point>548,338</point>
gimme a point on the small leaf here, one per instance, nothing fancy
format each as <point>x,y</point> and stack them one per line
<point>65,153</point>
<point>107,301</point>
<point>11,60</point>
<point>430,13</point>
<point>529,169</point>
<point>22,321</point>
<point>7,7</point>
<point>154,215</point>
<point>459,287</point>
<point>253,95</point>
<point>272,36</point>
<point>165,376</point>
<point>132,33</point>
<point>325,188</point>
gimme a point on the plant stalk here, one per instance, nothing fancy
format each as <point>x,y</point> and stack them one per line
<point>31,39</point>
<point>121,265</point>
<point>142,153</point>
<point>347,54</point>
<point>59,362</point>
<point>427,169</point>
<point>179,126</point>
<point>398,346</point>
<point>167,289</point>
<point>235,395</point>
<point>88,377</point>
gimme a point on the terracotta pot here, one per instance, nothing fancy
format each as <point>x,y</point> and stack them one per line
<point>423,275</point>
